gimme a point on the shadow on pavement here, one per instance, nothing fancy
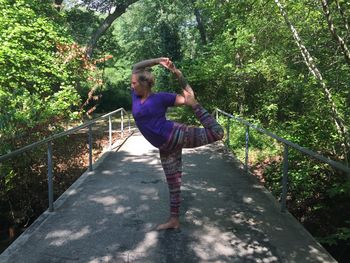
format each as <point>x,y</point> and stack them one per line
<point>111,216</point>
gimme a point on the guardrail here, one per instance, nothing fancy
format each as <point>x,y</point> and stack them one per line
<point>286,144</point>
<point>49,140</point>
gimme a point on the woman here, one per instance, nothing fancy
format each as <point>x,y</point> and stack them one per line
<point>149,111</point>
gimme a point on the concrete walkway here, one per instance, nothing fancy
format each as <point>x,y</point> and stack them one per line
<point>109,215</point>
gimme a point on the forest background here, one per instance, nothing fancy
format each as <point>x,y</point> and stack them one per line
<point>283,65</point>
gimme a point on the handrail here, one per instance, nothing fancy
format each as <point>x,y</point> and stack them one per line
<point>286,144</point>
<point>64,133</point>
<point>58,135</point>
<point>293,145</point>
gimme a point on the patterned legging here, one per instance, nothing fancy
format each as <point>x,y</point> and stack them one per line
<point>183,136</point>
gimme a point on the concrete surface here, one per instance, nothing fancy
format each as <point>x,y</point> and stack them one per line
<point>109,215</point>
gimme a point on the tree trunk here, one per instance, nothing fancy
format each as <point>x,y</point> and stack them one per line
<point>341,128</point>
<point>119,10</point>
<point>58,4</point>
<point>333,31</point>
<point>200,24</point>
<point>344,18</point>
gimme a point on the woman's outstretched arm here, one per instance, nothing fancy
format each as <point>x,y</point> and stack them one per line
<point>168,64</point>
<point>165,62</point>
<point>188,97</point>
<point>147,64</point>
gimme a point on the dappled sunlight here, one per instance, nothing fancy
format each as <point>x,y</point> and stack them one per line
<point>102,259</point>
<point>146,197</point>
<point>190,216</point>
<point>143,208</point>
<point>248,200</point>
<point>225,217</point>
<point>107,172</point>
<point>71,192</point>
<point>254,252</point>
<point>101,221</point>
<point>199,186</point>
<point>219,211</point>
<point>150,241</point>
<point>122,210</point>
<point>108,200</point>
<point>315,254</point>
<point>61,237</point>
<point>241,218</point>
<point>213,243</point>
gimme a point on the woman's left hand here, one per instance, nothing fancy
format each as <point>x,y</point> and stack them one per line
<point>167,63</point>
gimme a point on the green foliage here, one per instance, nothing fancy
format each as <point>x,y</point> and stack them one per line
<point>36,83</point>
<point>261,146</point>
<point>40,79</point>
<point>81,24</point>
<point>250,66</point>
<point>342,234</point>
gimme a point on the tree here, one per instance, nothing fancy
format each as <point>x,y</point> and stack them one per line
<point>341,43</point>
<point>58,4</point>
<point>40,68</point>
<point>310,63</point>
<point>114,8</point>
<point>200,23</point>
<point>34,71</point>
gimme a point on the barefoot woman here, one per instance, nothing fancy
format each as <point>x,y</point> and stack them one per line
<point>149,108</point>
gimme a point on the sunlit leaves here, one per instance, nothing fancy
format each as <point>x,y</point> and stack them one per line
<point>36,84</point>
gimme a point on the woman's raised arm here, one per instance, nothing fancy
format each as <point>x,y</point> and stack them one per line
<point>147,64</point>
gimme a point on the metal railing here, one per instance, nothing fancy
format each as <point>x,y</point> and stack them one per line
<point>49,140</point>
<point>286,145</point>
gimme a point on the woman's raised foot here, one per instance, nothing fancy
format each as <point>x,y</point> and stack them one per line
<point>189,96</point>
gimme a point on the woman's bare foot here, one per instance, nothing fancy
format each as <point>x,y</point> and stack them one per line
<point>173,223</point>
<point>189,96</point>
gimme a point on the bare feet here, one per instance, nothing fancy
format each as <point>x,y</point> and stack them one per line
<point>173,223</point>
<point>189,96</point>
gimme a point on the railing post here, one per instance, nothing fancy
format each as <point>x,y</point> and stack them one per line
<point>216,114</point>
<point>122,123</point>
<point>129,123</point>
<point>246,149</point>
<point>228,131</point>
<point>110,131</point>
<point>90,147</point>
<point>49,175</point>
<point>284,179</point>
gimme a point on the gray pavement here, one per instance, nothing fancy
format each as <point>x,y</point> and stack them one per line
<point>109,215</point>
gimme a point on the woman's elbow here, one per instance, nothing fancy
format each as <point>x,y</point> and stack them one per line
<point>179,101</point>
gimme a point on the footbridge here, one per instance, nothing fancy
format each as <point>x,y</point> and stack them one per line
<point>110,213</point>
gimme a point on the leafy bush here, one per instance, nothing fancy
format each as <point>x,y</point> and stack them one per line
<point>37,86</point>
<point>42,70</point>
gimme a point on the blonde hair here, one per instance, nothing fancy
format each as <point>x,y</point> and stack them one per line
<point>145,78</point>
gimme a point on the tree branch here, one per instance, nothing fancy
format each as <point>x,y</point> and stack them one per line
<point>345,20</point>
<point>119,10</point>
<point>309,61</point>
<point>333,31</point>
<point>200,24</point>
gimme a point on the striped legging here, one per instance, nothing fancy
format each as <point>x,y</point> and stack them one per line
<point>183,136</point>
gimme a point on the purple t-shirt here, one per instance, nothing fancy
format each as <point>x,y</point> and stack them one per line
<point>150,116</point>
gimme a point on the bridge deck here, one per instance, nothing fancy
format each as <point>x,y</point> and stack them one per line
<point>109,215</point>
